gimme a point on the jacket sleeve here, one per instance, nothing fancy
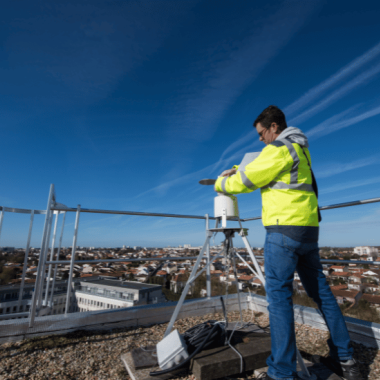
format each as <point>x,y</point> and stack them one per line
<point>259,173</point>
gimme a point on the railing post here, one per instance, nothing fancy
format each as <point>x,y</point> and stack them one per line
<point>1,219</point>
<point>70,279</point>
<point>44,257</point>
<point>208,273</point>
<point>39,276</point>
<point>25,260</point>
<point>58,252</point>
<point>51,257</point>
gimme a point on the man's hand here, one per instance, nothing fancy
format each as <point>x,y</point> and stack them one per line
<point>228,173</point>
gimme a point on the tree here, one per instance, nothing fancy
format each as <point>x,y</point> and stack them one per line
<point>7,275</point>
<point>333,257</point>
<point>338,281</point>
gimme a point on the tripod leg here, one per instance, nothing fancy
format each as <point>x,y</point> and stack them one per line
<point>237,282</point>
<point>208,273</point>
<point>254,261</point>
<point>187,286</point>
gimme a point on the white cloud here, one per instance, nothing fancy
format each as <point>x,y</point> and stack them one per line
<point>334,168</point>
<point>342,74</point>
<point>360,80</point>
<point>333,124</point>
<point>202,109</point>
<point>83,49</point>
<point>349,185</point>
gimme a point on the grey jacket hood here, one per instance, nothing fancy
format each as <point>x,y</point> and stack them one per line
<point>295,135</point>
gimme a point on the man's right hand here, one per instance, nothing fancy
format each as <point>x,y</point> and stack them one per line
<point>228,173</point>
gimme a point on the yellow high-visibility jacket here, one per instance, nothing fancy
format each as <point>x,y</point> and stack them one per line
<point>283,174</point>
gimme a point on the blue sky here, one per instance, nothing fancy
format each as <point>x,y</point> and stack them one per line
<point>127,104</point>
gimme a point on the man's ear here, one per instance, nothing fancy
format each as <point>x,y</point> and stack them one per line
<point>275,127</point>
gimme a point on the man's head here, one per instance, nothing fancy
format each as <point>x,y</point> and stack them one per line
<point>269,124</point>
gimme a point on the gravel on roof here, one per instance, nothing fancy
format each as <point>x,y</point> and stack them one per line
<point>96,355</point>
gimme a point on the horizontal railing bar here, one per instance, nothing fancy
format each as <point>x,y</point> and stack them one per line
<point>327,261</point>
<point>96,211</point>
<point>21,210</point>
<point>334,261</point>
<point>338,205</point>
<point>14,315</point>
<point>164,215</point>
<point>348,204</point>
<point>123,260</point>
<point>249,219</point>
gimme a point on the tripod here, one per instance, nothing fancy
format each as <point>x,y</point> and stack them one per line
<point>229,252</point>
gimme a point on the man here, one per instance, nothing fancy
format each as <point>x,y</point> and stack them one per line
<point>290,215</point>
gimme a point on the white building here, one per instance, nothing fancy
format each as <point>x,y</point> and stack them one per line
<point>103,293</point>
<point>89,294</point>
<point>370,251</point>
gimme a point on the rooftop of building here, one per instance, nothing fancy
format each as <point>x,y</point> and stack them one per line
<point>120,284</point>
<point>84,355</point>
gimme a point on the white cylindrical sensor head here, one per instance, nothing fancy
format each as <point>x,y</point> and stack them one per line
<point>228,203</point>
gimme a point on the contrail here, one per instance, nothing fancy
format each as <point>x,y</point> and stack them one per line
<point>343,73</point>
<point>328,126</point>
<point>338,94</point>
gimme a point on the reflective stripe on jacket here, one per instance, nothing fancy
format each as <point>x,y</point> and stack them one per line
<point>283,174</point>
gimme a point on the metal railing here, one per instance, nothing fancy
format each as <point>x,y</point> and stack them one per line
<point>45,265</point>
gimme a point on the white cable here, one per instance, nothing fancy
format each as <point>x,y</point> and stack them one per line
<point>241,358</point>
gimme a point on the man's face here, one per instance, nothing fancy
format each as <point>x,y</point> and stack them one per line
<point>267,135</point>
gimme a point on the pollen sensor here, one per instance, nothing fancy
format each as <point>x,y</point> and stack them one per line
<point>225,206</point>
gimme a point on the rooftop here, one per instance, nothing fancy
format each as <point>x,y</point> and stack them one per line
<point>122,284</point>
<point>97,354</point>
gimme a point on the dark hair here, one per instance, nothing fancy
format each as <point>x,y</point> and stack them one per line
<point>271,114</point>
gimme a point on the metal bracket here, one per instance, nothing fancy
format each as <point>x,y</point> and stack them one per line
<point>243,232</point>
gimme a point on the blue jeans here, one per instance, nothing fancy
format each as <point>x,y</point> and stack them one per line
<point>283,256</point>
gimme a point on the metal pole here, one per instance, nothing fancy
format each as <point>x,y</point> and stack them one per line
<point>208,272</point>
<point>40,264</point>
<point>25,261</point>
<point>51,257</point>
<point>69,280</point>
<point>1,219</point>
<point>44,259</point>
<point>56,266</point>
<point>187,286</point>
<point>236,279</point>
<point>254,261</point>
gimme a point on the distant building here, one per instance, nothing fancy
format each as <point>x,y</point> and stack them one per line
<point>369,251</point>
<point>342,296</point>
<point>89,294</point>
<point>102,293</point>
<point>8,249</point>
